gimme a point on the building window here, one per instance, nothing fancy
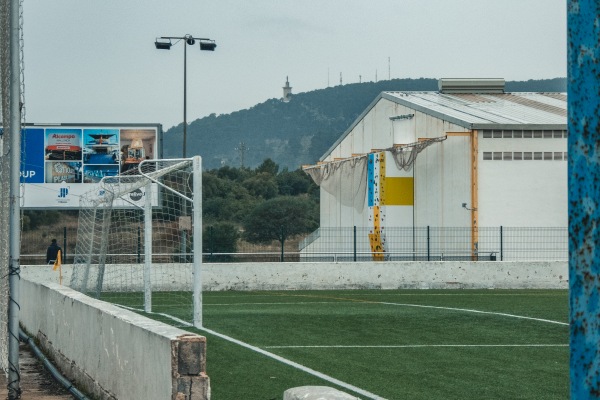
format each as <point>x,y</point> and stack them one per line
<point>527,134</point>
<point>497,155</point>
<point>547,134</point>
<point>537,134</point>
<point>547,155</point>
<point>497,134</point>
<point>507,156</point>
<point>537,155</point>
<point>487,134</point>
<point>517,134</point>
<point>507,134</point>
<point>558,155</point>
<point>527,155</point>
<point>487,155</point>
<point>565,155</point>
<point>558,134</point>
<point>517,155</point>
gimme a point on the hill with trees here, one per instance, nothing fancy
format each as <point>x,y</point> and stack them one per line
<point>302,130</point>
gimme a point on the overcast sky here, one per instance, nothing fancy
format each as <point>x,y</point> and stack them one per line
<point>94,61</point>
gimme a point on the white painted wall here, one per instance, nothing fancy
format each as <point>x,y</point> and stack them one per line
<point>105,348</point>
<point>523,193</point>
<point>359,275</point>
<point>510,193</point>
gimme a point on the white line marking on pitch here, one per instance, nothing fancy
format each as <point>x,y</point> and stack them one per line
<point>283,360</point>
<point>296,365</point>
<point>475,311</point>
<point>408,305</point>
<point>279,303</point>
<point>410,346</point>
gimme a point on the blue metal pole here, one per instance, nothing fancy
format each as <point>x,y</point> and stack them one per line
<point>584,196</point>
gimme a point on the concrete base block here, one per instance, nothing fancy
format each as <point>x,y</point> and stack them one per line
<point>316,393</point>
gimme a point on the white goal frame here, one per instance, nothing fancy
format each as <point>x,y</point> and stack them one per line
<point>118,187</point>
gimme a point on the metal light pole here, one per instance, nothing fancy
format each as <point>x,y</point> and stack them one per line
<point>165,44</point>
<point>14,387</point>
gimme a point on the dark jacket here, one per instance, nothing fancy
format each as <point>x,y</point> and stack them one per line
<point>52,252</point>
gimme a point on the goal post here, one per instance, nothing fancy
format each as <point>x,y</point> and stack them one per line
<point>139,239</point>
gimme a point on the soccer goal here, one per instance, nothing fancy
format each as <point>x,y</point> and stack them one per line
<point>139,239</point>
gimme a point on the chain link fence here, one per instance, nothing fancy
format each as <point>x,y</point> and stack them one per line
<point>349,244</point>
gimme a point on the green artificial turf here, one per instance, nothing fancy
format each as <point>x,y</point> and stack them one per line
<point>397,344</point>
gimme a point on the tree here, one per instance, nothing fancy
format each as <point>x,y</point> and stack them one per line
<point>220,238</point>
<point>281,217</point>
<point>262,185</point>
<point>294,183</point>
<point>268,166</point>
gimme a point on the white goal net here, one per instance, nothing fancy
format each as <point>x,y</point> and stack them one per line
<point>139,239</point>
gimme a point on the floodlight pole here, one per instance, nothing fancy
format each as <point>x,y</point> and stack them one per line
<point>205,44</point>
<point>14,389</point>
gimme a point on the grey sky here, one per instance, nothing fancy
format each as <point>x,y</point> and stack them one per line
<point>94,61</point>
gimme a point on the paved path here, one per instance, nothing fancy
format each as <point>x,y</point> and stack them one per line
<point>36,381</point>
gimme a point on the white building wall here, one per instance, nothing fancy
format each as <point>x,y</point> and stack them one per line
<point>517,193</point>
<point>442,175</point>
<point>523,193</point>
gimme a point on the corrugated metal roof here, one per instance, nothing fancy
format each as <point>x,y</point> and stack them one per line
<point>517,110</point>
<point>483,110</point>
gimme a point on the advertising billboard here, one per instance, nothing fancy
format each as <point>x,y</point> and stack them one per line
<point>61,162</point>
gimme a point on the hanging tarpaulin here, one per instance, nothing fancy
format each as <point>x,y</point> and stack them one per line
<point>346,180</point>
<point>405,156</point>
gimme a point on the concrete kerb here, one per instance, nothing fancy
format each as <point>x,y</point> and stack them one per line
<point>316,393</point>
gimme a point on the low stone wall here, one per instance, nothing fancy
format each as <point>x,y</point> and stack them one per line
<point>113,353</point>
<point>343,275</point>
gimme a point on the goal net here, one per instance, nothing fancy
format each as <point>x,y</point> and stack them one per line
<point>139,239</point>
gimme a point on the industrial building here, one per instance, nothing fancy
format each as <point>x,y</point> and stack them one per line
<point>467,156</point>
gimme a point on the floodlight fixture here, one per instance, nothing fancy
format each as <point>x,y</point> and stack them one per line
<point>208,45</point>
<point>163,44</point>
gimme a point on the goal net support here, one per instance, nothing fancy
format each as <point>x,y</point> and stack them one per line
<point>139,239</point>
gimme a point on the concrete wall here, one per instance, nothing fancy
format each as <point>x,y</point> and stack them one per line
<point>350,275</point>
<point>109,352</point>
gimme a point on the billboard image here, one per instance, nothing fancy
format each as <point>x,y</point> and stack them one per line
<point>63,171</point>
<point>137,145</point>
<point>63,144</point>
<point>101,146</point>
<point>59,163</point>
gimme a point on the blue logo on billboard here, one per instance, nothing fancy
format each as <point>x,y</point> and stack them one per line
<point>63,194</point>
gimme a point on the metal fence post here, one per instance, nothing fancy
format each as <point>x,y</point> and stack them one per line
<point>282,242</point>
<point>139,245</point>
<point>501,243</point>
<point>354,243</point>
<point>210,241</point>
<point>63,253</point>
<point>428,248</point>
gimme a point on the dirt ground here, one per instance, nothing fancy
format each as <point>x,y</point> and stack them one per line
<point>36,381</point>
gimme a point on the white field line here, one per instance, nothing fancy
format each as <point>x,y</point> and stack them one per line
<point>473,311</point>
<point>404,305</point>
<point>261,294</point>
<point>298,366</point>
<point>279,358</point>
<point>416,346</point>
<point>279,303</point>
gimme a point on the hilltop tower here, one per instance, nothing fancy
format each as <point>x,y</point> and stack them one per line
<point>287,91</point>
